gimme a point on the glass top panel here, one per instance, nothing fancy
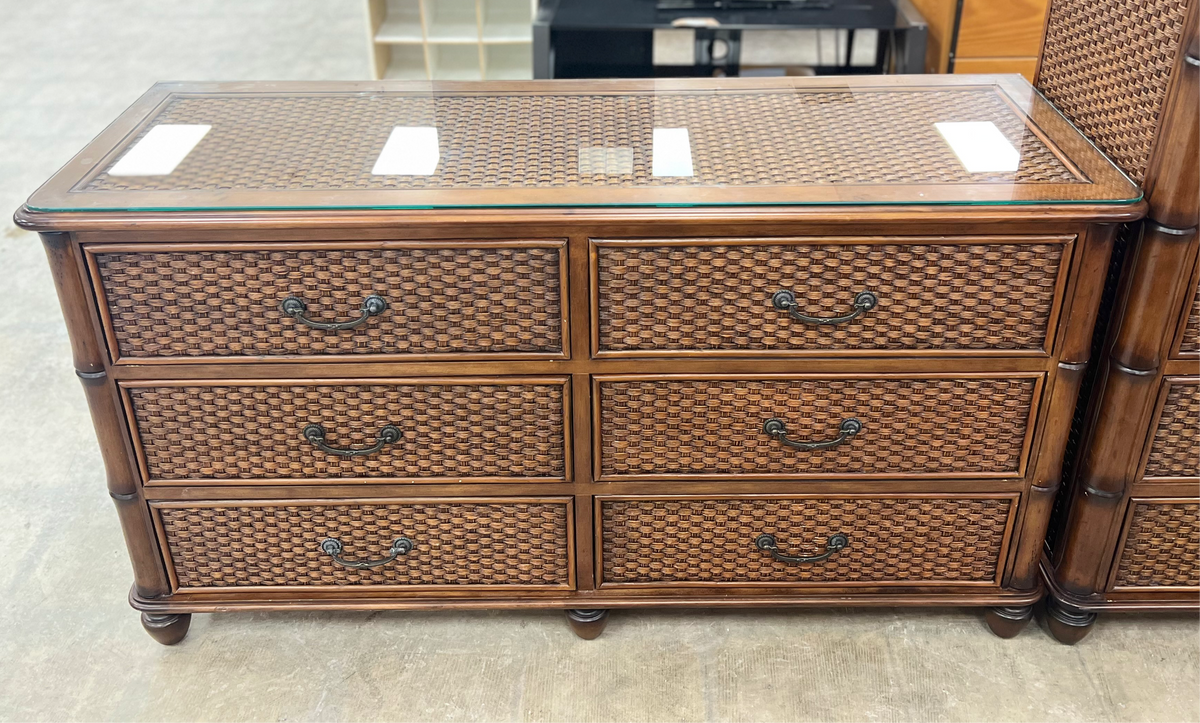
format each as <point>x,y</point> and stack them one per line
<point>789,141</point>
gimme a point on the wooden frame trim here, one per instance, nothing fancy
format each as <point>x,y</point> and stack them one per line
<point>92,250</point>
<point>1023,466</point>
<point>567,502</point>
<point>1046,350</point>
<point>996,582</point>
<point>923,597</point>
<point>150,481</point>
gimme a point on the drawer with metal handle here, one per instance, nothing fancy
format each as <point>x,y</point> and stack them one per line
<point>840,295</point>
<point>797,539</point>
<point>331,300</point>
<point>652,427</point>
<point>477,429</point>
<point>377,543</point>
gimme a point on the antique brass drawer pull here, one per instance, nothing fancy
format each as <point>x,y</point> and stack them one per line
<point>836,542</point>
<point>786,301</point>
<point>333,548</point>
<point>373,305</point>
<point>315,434</point>
<point>777,429</point>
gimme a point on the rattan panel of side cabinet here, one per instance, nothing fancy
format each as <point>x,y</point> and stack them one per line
<point>890,540</point>
<point>1107,65</point>
<point>440,301</point>
<point>446,430</point>
<point>931,296</point>
<point>455,543</point>
<point>331,140</point>
<point>1162,546</point>
<point>910,426</point>
<point>1175,451</point>
<point>1190,343</point>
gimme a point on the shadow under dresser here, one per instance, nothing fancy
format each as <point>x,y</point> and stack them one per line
<point>583,345</point>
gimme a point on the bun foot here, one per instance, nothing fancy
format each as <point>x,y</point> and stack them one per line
<point>167,629</point>
<point>588,624</point>
<point>1067,624</point>
<point>1007,622</point>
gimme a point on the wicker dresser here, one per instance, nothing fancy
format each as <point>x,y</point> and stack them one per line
<point>584,345</point>
<point>1126,536</point>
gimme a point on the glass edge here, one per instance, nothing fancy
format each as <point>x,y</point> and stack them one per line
<point>842,204</point>
<point>1112,164</point>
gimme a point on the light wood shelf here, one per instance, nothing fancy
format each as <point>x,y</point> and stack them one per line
<point>451,39</point>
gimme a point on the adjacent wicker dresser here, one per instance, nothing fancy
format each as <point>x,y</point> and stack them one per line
<point>584,345</point>
<point>1126,535</point>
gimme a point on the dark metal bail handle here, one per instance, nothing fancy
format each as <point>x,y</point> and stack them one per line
<point>315,434</point>
<point>373,305</point>
<point>777,429</point>
<point>786,301</point>
<point>333,548</point>
<point>836,542</point>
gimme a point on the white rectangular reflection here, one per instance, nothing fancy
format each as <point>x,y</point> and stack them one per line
<point>409,151</point>
<point>674,47</point>
<point>980,147</point>
<point>672,152</point>
<point>159,151</point>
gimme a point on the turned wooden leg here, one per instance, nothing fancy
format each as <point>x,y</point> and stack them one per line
<point>167,629</point>
<point>588,624</point>
<point>1067,623</point>
<point>1007,622</point>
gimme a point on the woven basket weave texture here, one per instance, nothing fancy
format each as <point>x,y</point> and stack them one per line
<point>917,540</point>
<point>922,426</point>
<point>1107,65</point>
<point>1162,547</point>
<point>1175,451</point>
<point>501,543</point>
<point>446,430</point>
<point>331,141</point>
<point>440,301</point>
<point>968,296</point>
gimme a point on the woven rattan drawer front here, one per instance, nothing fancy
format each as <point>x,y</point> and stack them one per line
<point>1175,448</point>
<point>481,430</point>
<point>450,543</point>
<point>439,299</point>
<point>916,540</point>
<point>973,295</point>
<point>1161,546</point>
<point>1189,342</point>
<point>672,427</point>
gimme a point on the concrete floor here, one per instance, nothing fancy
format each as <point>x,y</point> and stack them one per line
<point>71,649</point>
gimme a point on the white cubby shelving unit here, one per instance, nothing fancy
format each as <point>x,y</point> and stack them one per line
<point>451,39</point>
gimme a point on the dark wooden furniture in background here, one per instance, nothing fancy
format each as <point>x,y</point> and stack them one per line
<point>983,36</point>
<point>1127,529</point>
<point>829,367</point>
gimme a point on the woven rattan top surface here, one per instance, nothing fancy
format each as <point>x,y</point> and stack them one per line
<point>861,140</point>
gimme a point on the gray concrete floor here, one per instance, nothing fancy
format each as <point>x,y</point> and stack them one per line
<point>71,649</point>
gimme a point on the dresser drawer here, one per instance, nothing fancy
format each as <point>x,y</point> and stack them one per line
<point>1189,338</point>
<point>1160,545</point>
<point>481,430</point>
<point>717,426</point>
<point>1175,446</point>
<point>233,301</point>
<point>406,543</point>
<point>756,296</point>
<point>851,539</point>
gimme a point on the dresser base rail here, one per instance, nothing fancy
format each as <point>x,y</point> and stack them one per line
<point>1008,610</point>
